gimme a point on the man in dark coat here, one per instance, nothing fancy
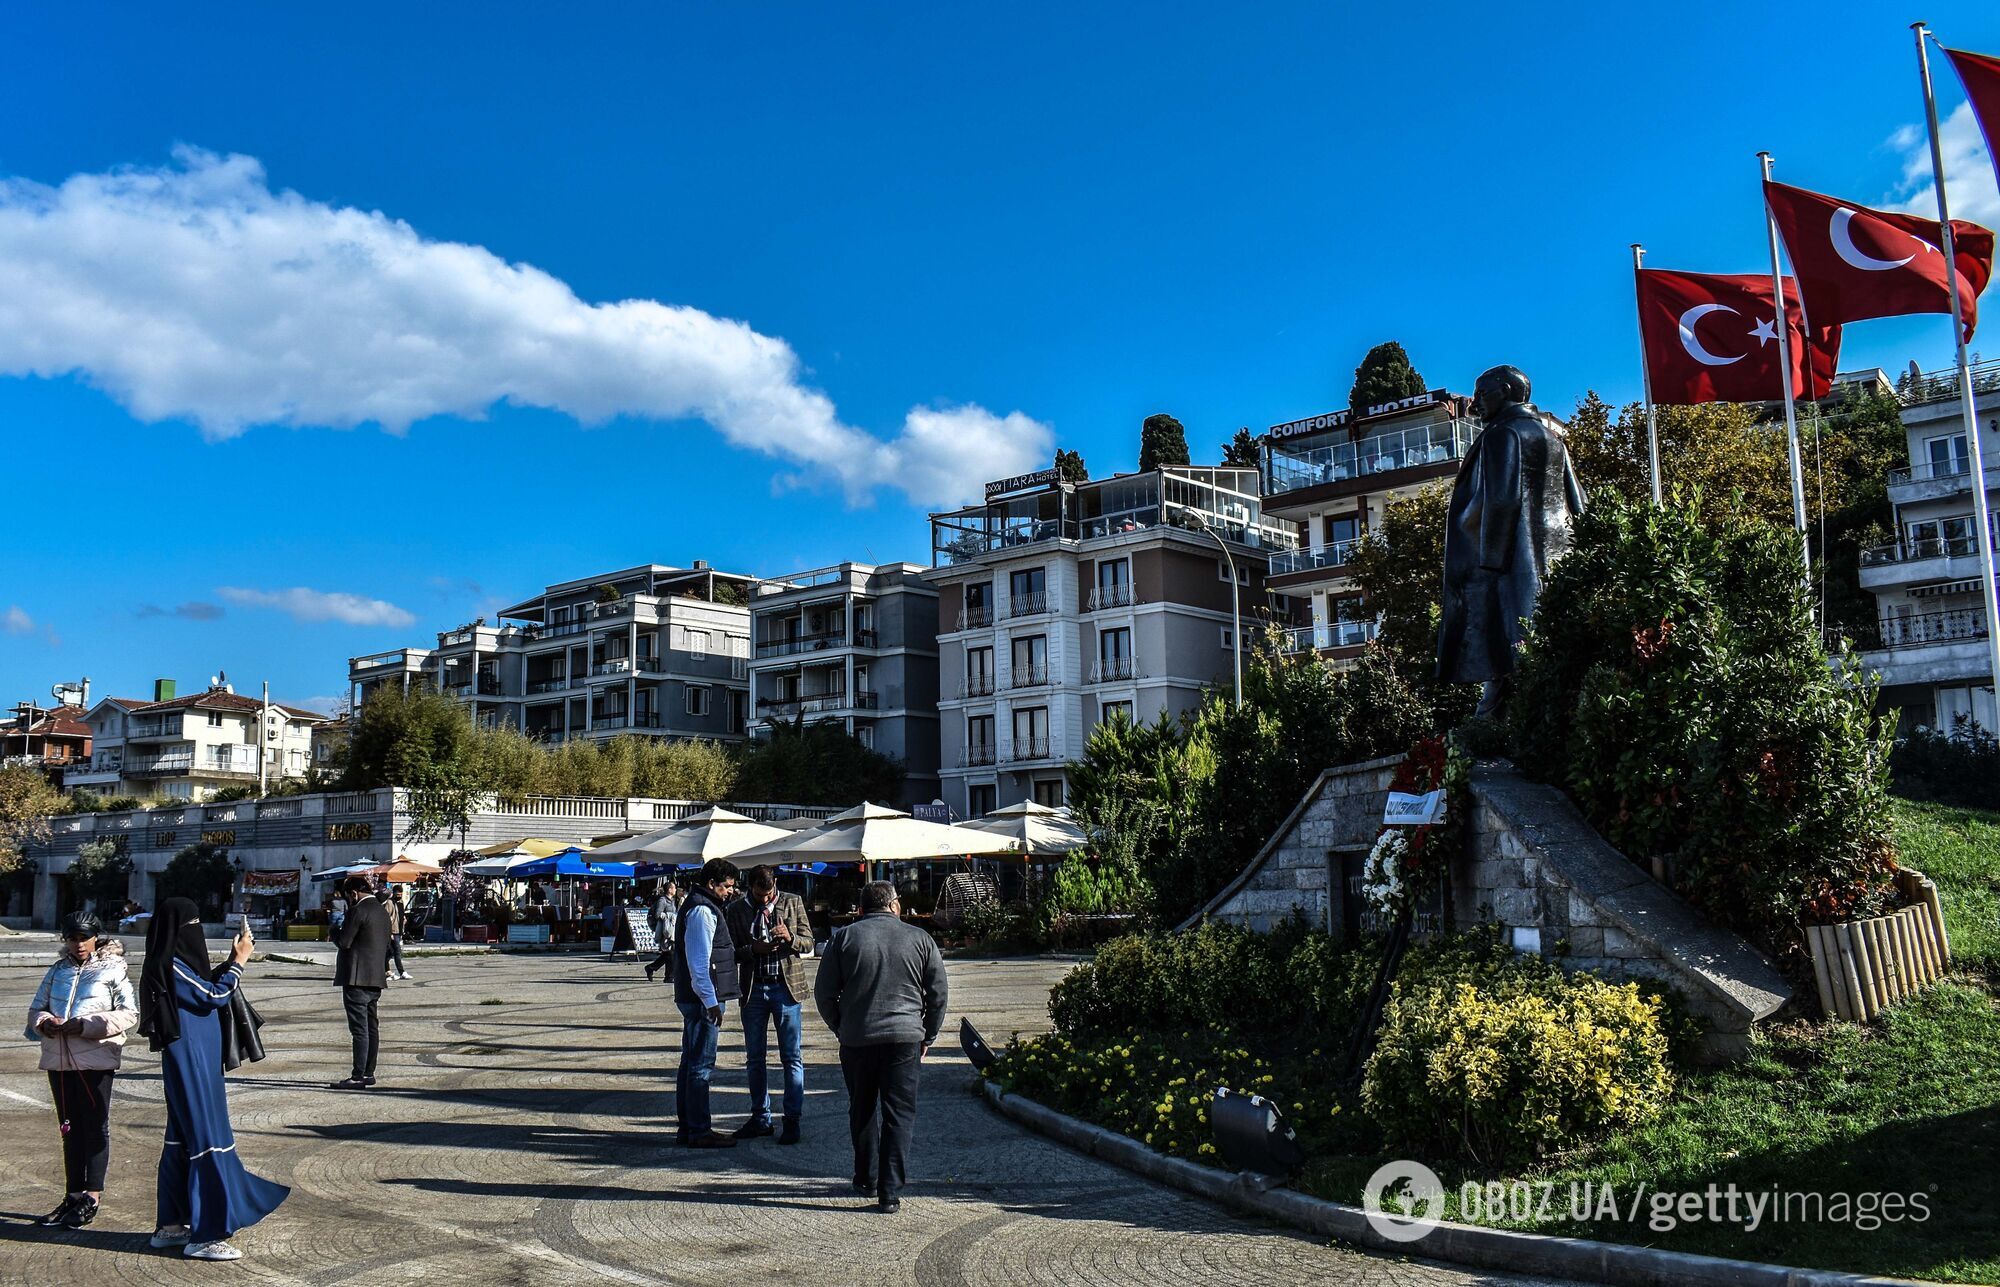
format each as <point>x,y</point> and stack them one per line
<point>1511,510</point>
<point>360,971</point>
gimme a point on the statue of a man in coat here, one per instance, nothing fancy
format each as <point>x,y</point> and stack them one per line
<point>1511,510</point>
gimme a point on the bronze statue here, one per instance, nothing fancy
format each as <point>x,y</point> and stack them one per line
<point>1511,509</point>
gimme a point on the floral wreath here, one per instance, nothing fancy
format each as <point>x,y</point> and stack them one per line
<point>1406,863</point>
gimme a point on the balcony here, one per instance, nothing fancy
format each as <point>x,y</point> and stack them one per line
<point>168,765</point>
<point>1921,630</point>
<point>1338,554</point>
<point>453,638</point>
<point>1110,669</point>
<point>153,730</point>
<point>1033,603</point>
<point>866,639</point>
<point>553,684</point>
<point>1337,634</point>
<point>1950,558</point>
<point>619,719</point>
<point>1937,481</point>
<point>820,704</point>
<point>1291,469</point>
<point>616,668</point>
<point>802,643</point>
<point>401,658</point>
<point>1942,386</point>
<point>976,686</point>
<point>109,768</point>
<point>975,618</point>
<point>651,666</point>
<point>1111,596</point>
<point>976,755</point>
<point>1035,676</point>
<point>557,630</point>
<point>1028,749</point>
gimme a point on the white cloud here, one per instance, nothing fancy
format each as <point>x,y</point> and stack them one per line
<point>1968,171</point>
<point>320,605</point>
<point>17,622</point>
<point>194,291</point>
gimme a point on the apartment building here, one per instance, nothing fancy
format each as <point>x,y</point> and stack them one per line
<point>1929,643</point>
<point>855,644</point>
<point>53,739</point>
<point>1333,474</point>
<point>188,748</point>
<point>1060,604</point>
<point>653,650</point>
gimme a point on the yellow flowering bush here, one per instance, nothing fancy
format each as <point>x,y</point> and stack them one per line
<point>1499,1058</point>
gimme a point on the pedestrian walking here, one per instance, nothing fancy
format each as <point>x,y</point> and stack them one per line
<point>80,1014</point>
<point>398,917</point>
<point>666,909</point>
<point>772,933</point>
<point>705,980</point>
<point>359,973</point>
<point>882,990</point>
<point>205,1193</point>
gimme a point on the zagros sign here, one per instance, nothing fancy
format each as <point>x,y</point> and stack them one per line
<point>1020,482</point>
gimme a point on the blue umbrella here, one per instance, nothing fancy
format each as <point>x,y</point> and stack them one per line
<point>571,862</point>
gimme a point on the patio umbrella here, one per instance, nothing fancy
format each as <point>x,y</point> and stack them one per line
<point>501,867</point>
<point>1038,834</point>
<point>571,862</point>
<point>872,833</point>
<point>533,846</point>
<point>1027,809</point>
<point>799,823</point>
<point>346,869</point>
<point>406,869</point>
<point>712,833</point>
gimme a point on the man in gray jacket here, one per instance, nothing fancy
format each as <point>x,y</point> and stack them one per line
<point>881,990</point>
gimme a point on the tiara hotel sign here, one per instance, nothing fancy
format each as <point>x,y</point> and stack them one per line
<point>1020,482</point>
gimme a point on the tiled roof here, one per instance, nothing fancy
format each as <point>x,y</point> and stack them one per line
<point>51,724</point>
<point>216,699</point>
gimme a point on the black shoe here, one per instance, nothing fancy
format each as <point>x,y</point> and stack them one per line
<point>889,1206</point>
<point>349,1083</point>
<point>81,1212</point>
<point>710,1140</point>
<point>863,1186</point>
<point>368,1081</point>
<point>754,1130</point>
<point>790,1135</point>
<point>651,970</point>
<point>61,1213</point>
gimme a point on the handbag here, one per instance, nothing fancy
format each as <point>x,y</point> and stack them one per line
<point>241,1043</point>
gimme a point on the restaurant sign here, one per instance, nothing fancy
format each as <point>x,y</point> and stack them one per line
<point>1020,482</point>
<point>270,882</point>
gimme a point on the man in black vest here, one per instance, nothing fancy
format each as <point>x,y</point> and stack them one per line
<point>705,979</point>
<point>359,972</point>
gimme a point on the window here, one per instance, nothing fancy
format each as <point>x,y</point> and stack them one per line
<point>697,699</point>
<point>1948,456</point>
<point>1031,733</point>
<point>1228,639</point>
<point>1113,710</point>
<point>1049,791</point>
<point>979,730</point>
<point>215,719</point>
<point>1028,592</point>
<point>1114,572</point>
<point>1114,654</point>
<point>1031,660</point>
<point>865,735</point>
<point>980,800</point>
<point>697,644</point>
<point>1342,527</point>
<point>978,605</point>
<point>978,672</point>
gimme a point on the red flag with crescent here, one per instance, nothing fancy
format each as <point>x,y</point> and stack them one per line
<point>1980,74</point>
<point>1855,263</point>
<point>1713,337</point>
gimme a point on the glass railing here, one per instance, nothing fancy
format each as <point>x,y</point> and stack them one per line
<point>553,685</point>
<point>1942,386</point>
<point>1291,468</point>
<point>1337,634</point>
<point>1929,547</point>
<point>155,728</point>
<point>1338,554</point>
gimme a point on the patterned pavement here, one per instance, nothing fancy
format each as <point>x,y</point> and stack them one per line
<point>520,1136</point>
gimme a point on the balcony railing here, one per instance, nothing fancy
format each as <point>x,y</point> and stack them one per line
<point>554,684</point>
<point>1921,630</point>
<point>1108,669</point>
<point>975,618</point>
<point>650,666</point>
<point>1032,603</point>
<point>173,762</point>
<point>976,754</point>
<point>452,638</point>
<point>644,719</point>
<point>1942,386</point>
<point>866,639</point>
<point>976,686</point>
<point>1956,471</point>
<point>1337,634</point>
<point>1933,547</point>
<point>557,630</point>
<point>1029,748</point>
<point>801,643</point>
<point>154,728</point>
<point>1437,443</point>
<point>616,666</point>
<point>1112,596</point>
<point>1034,676</point>
<point>1338,554</point>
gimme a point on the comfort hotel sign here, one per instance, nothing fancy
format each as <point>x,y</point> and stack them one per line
<point>1020,483</point>
<point>1341,419</point>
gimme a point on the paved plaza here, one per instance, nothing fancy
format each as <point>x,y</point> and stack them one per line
<point>521,1134</point>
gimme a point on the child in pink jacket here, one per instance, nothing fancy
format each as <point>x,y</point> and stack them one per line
<point>81,1014</point>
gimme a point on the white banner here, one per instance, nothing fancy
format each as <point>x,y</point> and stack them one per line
<point>1405,810</point>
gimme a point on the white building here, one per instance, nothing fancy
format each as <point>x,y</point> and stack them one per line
<point>188,748</point>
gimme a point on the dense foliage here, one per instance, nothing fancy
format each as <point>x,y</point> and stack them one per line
<point>27,802</point>
<point>821,763</point>
<point>1674,684</point>
<point>1960,766</point>
<point>1241,449</point>
<point>1070,467</point>
<point>1208,790</point>
<point>1162,441</point>
<point>1497,1057</point>
<point>1399,568</point>
<point>201,872</point>
<point>101,875</point>
<point>1384,375</point>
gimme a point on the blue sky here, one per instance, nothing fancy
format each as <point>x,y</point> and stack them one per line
<point>1025,225</point>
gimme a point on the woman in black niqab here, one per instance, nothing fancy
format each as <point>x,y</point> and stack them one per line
<point>174,934</point>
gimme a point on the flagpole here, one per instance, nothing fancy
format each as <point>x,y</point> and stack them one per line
<point>1784,329</point>
<point>1646,383</point>
<point>1982,517</point>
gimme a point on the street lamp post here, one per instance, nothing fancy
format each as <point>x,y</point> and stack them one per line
<point>1235,595</point>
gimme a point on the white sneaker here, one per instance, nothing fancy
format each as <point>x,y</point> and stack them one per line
<point>217,1250</point>
<point>172,1235</point>
<point>404,975</point>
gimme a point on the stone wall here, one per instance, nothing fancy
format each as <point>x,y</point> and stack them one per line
<point>1536,868</point>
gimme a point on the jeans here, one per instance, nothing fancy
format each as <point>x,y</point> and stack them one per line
<point>881,1111</point>
<point>396,954</point>
<point>83,1107</point>
<point>362,1023</point>
<point>773,1002</point>
<point>698,1042</point>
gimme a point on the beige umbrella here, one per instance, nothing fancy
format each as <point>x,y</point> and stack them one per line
<point>1027,809</point>
<point>533,846</point>
<point>872,833</point>
<point>712,833</point>
<point>1038,834</point>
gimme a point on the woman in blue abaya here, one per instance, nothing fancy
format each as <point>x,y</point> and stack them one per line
<point>204,1193</point>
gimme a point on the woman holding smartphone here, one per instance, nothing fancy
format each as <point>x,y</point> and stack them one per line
<point>205,1194</point>
<point>81,1014</point>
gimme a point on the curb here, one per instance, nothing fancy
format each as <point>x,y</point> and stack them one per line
<point>1505,1249</point>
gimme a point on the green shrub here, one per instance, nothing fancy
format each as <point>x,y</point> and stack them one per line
<point>101,874</point>
<point>1960,766</point>
<point>1675,685</point>
<point>201,872</point>
<point>1501,1058</point>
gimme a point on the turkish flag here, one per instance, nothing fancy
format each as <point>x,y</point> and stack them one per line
<point>1713,338</point>
<point>1856,263</point>
<point>1980,74</point>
